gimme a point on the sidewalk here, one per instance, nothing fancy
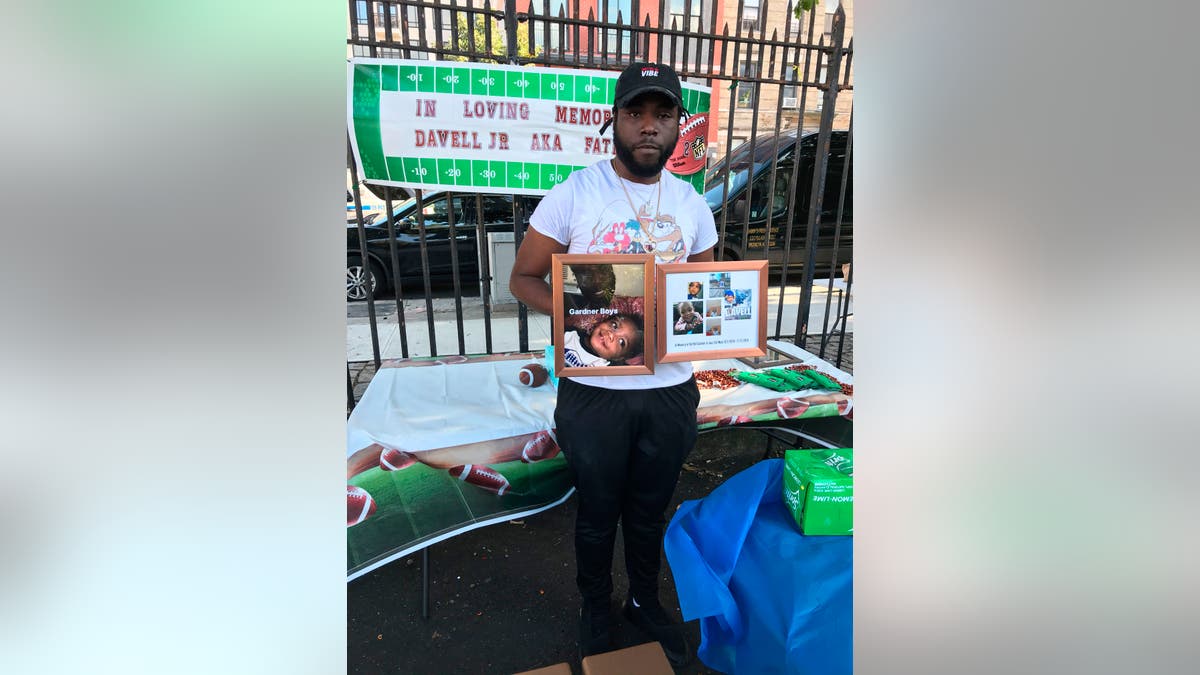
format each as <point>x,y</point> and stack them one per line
<point>504,326</point>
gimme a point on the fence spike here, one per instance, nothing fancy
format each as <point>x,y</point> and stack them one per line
<point>646,40</point>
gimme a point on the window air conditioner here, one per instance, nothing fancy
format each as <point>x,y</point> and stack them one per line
<point>789,101</point>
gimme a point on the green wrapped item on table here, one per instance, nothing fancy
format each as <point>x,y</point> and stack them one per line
<point>823,381</point>
<point>764,380</point>
<point>797,378</point>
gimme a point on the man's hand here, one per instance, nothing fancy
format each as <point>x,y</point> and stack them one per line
<point>528,279</point>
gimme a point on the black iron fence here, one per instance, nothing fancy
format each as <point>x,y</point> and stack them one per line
<point>780,175</point>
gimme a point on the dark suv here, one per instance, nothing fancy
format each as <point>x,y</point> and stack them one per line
<point>497,217</point>
<point>745,240</point>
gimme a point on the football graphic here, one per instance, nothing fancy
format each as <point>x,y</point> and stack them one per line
<point>359,505</point>
<point>392,459</point>
<point>480,476</point>
<point>544,445</point>
<point>691,150</point>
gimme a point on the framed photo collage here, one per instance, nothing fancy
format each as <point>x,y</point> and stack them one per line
<point>621,314</point>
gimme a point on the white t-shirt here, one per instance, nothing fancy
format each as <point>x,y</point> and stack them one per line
<point>576,356</point>
<point>590,213</point>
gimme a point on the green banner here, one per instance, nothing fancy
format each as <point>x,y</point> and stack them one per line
<point>494,128</point>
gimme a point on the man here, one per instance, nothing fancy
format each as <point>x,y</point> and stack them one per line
<point>625,437</point>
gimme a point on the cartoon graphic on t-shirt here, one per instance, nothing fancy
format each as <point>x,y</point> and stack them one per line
<point>647,234</point>
<point>620,238</point>
<point>666,240</point>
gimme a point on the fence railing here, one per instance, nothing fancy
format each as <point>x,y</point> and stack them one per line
<point>779,105</point>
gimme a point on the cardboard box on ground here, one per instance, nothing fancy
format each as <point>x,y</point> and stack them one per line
<point>818,487</point>
<point>646,659</point>
<point>556,669</point>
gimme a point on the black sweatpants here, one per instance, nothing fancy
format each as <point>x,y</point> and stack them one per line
<point>624,450</point>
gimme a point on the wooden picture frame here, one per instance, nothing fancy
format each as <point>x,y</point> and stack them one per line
<point>586,288</point>
<point>726,327</point>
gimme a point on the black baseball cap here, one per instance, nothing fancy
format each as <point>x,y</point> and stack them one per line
<point>641,78</point>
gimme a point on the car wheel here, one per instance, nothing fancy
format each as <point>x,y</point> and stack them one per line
<point>357,278</point>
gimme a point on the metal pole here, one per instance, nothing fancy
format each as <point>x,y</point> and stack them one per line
<point>425,583</point>
<point>510,30</point>
<point>820,161</point>
<point>362,251</point>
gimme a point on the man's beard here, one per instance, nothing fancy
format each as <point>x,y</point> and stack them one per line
<point>625,154</point>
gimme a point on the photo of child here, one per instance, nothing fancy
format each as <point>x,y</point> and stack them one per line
<point>737,304</point>
<point>695,290</point>
<point>602,313</point>
<point>718,283</point>
<point>688,320</point>
<point>713,307</point>
<point>712,327</point>
<point>611,342</point>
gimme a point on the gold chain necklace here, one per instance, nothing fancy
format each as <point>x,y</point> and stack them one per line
<point>636,213</point>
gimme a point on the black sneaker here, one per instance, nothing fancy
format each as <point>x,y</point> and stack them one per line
<point>594,622</point>
<point>652,619</point>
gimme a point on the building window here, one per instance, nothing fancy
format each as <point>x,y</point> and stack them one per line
<point>788,92</point>
<point>360,10</point>
<point>745,88</point>
<point>610,9</point>
<point>794,26</point>
<point>558,34</point>
<point>385,14</point>
<point>750,18</point>
<point>685,15</point>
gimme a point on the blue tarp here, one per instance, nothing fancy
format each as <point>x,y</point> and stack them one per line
<point>769,599</point>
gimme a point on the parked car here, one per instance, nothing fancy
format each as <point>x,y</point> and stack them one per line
<point>746,240</point>
<point>372,200</point>
<point>377,269</point>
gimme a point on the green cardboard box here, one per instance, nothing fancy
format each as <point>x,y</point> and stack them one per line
<point>818,487</point>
